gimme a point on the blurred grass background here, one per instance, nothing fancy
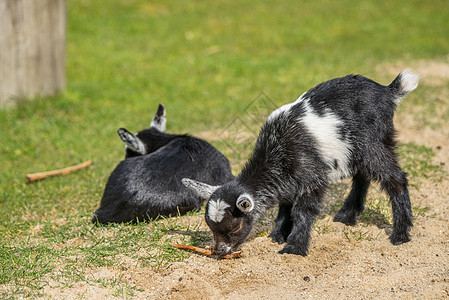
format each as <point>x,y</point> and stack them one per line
<point>205,61</point>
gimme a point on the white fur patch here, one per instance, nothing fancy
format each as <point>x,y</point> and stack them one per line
<point>409,82</point>
<point>132,142</point>
<point>137,145</point>
<point>200,188</point>
<point>216,210</point>
<point>284,109</point>
<point>245,203</point>
<point>334,151</point>
<point>159,124</point>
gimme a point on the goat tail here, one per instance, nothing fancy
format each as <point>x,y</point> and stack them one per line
<point>403,84</point>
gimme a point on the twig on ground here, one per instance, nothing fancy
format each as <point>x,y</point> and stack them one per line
<point>205,251</point>
<point>42,175</point>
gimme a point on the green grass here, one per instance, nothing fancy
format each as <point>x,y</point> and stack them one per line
<point>206,62</point>
<point>416,160</point>
<point>72,247</point>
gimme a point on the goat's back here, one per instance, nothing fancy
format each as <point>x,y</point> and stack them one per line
<point>335,129</point>
<point>148,186</point>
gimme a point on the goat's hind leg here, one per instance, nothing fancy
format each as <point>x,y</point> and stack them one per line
<point>396,186</point>
<point>354,204</point>
<point>282,225</point>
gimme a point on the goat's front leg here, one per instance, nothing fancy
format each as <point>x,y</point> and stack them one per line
<point>283,224</point>
<point>303,212</point>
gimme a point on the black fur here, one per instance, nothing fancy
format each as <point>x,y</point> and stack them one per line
<point>288,167</point>
<point>152,139</point>
<point>144,187</point>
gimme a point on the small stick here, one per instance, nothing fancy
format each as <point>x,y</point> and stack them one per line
<point>206,252</point>
<point>42,175</point>
<point>193,248</point>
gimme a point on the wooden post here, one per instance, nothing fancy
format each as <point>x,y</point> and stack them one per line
<point>32,48</point>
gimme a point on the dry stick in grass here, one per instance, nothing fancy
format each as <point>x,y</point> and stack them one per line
<point>42,175</point>
<point>205,252</point>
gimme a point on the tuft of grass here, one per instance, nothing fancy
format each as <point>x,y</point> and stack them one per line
<point>360,234</point>
<point>378,212</point>
<point>25,266</point>
<point>417,161</point>
<point>322,227</point>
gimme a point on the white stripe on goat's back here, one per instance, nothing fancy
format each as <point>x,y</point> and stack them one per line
<point>216,210</point>
<point>333,149</point>
<point>284,109</point>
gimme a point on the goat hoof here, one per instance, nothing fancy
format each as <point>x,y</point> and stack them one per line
<point>399,238</point>
<point>277,238</point>
<point>289,249</point>
<point>345,218</point>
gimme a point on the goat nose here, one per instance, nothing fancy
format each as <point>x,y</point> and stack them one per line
<point>223,250</point>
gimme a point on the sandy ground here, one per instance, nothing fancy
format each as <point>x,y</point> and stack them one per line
<point>339,265</point>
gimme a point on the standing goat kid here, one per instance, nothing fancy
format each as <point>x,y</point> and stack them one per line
<point>147,183</point>
<point>341,128</point>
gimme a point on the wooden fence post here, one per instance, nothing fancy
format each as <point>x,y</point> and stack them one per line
<point>32,48</point>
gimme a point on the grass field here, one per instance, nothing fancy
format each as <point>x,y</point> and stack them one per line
<point>206,61</point>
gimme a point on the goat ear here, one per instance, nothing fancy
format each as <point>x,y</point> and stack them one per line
<point>245,203</point>
<point>203,190</point>
<point>159,121</point>
<point>131,141</point>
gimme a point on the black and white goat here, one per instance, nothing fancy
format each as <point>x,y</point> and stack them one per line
<point>341,128</point>
<point>147,183</point>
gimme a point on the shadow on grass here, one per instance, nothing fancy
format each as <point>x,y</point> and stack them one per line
<point>370,216</point>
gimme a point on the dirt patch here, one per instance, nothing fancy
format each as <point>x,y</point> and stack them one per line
<point>432,72</point>
<point>343,263</point>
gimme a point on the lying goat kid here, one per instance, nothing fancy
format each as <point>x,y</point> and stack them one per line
<point>342,127</point>
<point>147,184</point>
